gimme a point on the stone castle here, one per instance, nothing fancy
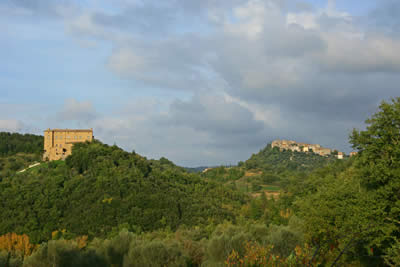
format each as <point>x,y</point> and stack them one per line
<point>303,147</point>
<point>58,142</point>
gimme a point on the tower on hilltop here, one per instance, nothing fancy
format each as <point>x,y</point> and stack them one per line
<point>58,142</point>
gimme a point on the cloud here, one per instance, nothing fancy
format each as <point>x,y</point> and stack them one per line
<point>385,17</point>
<point>193,132</point>
<point>214,114</point>
<point>44,9</point>
<point>11,125</point>
<point>240,73</point>
<point>74,110</point>
<point>164,65</point>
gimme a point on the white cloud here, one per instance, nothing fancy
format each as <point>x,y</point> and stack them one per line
<point>306,19</point>
<point>11,125</point>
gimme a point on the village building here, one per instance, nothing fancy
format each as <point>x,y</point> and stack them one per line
<point>58,142</point>
<point>353,154</point>
<point>301,147</point>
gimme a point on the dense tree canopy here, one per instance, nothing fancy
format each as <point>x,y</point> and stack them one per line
<point>13,143</point>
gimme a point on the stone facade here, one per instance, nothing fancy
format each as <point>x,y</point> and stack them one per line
<point>58,142</point>
<point>301,147</point>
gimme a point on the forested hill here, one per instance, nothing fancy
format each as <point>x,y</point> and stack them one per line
<point>275,160</point>
<point>13,143</point>
<point>269,171</point>
<point>100,188</point>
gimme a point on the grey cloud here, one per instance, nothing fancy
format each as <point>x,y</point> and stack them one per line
<point>385,16</point>
<point>147,20</point>
<point>38,9</point>
<point>204,130</point>
<point>152,17</point>
<point>74,110</point>
<point>325,77</point>
<point>212,113</point>
<point>166,64</point>
<point>334,74</point>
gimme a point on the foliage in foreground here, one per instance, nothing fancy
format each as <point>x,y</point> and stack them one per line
<point>185,247</point>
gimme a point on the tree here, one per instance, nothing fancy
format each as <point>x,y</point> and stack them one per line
<point>378,163</point>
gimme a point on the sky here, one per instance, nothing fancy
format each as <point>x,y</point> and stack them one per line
<point>200,82</point>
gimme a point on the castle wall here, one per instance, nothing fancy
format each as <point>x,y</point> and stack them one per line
<point>58,142</point>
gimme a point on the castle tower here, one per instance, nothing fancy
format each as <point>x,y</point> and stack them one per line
<point>58,142</point>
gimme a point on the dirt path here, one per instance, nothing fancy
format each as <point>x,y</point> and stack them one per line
<point>30,166</point>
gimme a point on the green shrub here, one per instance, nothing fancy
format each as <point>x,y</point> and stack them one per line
<point>283,239</point>
<point>155,253</point>
<point>63,253</point>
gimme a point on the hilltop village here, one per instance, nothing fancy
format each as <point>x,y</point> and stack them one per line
<point>303,147</point>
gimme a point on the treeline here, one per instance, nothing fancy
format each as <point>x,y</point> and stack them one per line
<point>13,143</point>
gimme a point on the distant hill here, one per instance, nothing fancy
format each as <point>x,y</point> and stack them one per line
<point>273,159</point>
<point>100,188</point>
<point>269,170</point>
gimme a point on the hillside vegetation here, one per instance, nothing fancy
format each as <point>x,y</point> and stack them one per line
<point>102,187</point>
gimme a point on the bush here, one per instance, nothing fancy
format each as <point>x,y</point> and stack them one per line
<point>283,239</point>
<point>155,253</point>
<point>227,238</point>
<point>63,253</point>
<point>114,250</point>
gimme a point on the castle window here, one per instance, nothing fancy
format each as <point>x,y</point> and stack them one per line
<point>75,137</point>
